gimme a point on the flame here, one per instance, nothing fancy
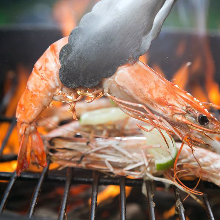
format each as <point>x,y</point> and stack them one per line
<point>181,48</point>
<point>199,93</point>
<point>74,190</point>
<point>171,212</point>
<point>67,13</point>
<point>214,94</point>
<point>211,86</point>
<point>181,76</point>
<point>202,63</point>
<point>157,68</point>
<point>144,58</point>
<point>197,63</point>
<point>205,61</point>
<point>13,145</point>
<point>8,166</point>
<point>22,80</point>
<point>111,192</point>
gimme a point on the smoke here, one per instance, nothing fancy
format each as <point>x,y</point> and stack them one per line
<point>114,33</point>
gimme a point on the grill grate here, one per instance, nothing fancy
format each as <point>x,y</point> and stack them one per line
<point>65,194</point>
<point>37,191</point>
<point>95,182</point>
<point>179,204</point>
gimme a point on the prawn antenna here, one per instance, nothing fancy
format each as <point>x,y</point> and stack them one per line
<point>178,181</point>
<point>211,105</point>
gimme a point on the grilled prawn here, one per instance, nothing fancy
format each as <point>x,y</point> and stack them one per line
<point>138,91</point>
<point>126,156</point>
<point>145,95</point>
<point>42,88</point>
<point>91,62</point>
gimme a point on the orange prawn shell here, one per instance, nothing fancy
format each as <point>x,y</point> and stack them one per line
<point>42,84</point>
<point>147,86</point>
<point>139,90</point>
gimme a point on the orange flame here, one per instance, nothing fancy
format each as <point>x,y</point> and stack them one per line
<point>144,58</point>
<point>181,48</point>
<point>170,213</point>
<point>8,166</point>
<point>158,70</point>
<point>202,63</point>
<point>211,86</point>
<point>13,145</point>
<point>181,76</point>
<point>68,13</point>
<point>111,192</point>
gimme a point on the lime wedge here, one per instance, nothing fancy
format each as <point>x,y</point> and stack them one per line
<point>103,116</point>
<point>163,153</point>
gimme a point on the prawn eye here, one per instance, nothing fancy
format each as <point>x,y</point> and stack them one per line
<point>203,120</point>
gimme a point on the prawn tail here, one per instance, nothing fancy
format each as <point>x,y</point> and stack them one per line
<point>30,150</point>
<point>179,182</point>
<point>24,152</point>
<point>37,149</point>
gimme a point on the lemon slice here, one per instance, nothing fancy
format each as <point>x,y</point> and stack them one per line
<point>163,152</point>
<point>103,116</point>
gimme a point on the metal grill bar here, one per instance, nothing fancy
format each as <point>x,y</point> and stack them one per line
<point>37,191</point>
<point>87,180</point>
<point>9,157</point>
<point>95,185</point>
<point>122,198</point>
<point>10,129</point>
<point>208,207</point>
<point>62,211</point>
<point>7,191</point>
<point>150,195</point>
<point>8,96</point>
<point>179,204</point>
<point>77,180</point>
<point>6,119</point>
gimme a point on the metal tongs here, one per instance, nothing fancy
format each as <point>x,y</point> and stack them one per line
<point>114,33</point>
